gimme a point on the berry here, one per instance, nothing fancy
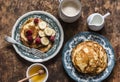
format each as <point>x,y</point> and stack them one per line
<point>52,38</point>
<point>29,33</point>
<point>30,39</point>
<point>37,40</point>
<point>36,20</point>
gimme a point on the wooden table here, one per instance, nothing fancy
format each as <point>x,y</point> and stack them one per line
<point>13,67</point>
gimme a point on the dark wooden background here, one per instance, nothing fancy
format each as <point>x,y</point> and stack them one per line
<point>13,67</point>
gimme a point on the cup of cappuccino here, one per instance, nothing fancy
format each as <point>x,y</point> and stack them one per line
<point>69,10</point>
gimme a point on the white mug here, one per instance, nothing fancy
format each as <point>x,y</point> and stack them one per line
<point>69,10</point>
<point>96,21</point>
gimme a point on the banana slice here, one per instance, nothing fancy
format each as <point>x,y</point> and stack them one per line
<point>44,41</point>
<point>42,25</point>
<point>53,32</point>
<point>48,31</point>
<point>41,33</point>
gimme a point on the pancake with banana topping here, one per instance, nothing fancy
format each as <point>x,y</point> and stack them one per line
<point>89,57</point>
<point>36,33</point>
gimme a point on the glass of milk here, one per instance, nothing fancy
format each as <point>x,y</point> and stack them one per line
<point>69,10</point>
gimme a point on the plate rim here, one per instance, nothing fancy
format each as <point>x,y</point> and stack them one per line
<point>80,33</point>
<point>61,38</point>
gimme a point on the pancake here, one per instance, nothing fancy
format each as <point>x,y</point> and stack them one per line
<point>89,57</point>
<point>32,34</point>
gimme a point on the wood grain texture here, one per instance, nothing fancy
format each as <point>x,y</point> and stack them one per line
<point>13,67</point>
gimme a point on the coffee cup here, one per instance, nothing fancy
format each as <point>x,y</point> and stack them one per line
<point>69,10</point>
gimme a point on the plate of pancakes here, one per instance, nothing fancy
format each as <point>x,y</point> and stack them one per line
<point>39,30</point>
<point>88,57</point>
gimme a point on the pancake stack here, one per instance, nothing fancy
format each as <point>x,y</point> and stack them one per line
<point>89,57</point>
<point>36,33</point>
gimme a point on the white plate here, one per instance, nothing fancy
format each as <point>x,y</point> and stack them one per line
<point>52,21</point>
<point>67,62</point>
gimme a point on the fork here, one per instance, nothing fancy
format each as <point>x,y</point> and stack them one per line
<point>34,51</point>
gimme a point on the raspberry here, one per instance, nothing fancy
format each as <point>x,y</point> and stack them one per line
<point>30,39</point>
<point>29,33</point>
<point>37,40</point>
<point>36,20</point>
<point>52,38</point>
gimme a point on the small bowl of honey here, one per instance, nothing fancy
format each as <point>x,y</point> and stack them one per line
<point>39,71</point>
